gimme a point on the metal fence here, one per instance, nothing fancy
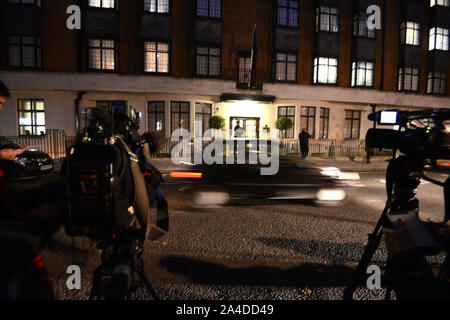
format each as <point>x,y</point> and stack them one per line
<point>55,142</point>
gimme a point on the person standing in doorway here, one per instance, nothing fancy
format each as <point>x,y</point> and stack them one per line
<point>304,137</point>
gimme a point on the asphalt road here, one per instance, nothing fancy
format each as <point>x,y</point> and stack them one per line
<point>272,250</point>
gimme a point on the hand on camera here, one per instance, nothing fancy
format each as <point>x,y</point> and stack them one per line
<point>9,154</point>
<point>398,240</point>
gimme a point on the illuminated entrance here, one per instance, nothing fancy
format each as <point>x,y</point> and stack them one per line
<point>250,126</point>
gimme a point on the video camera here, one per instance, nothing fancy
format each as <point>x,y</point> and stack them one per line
<point>425,133</point>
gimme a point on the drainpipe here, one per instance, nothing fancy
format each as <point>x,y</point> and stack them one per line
<point>77,111</point>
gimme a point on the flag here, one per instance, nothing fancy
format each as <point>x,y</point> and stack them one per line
<point>253,57</point>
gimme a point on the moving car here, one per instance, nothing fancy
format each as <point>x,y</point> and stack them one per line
<point>30,164</point>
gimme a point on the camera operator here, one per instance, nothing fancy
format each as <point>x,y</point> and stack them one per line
<point>409,273</point>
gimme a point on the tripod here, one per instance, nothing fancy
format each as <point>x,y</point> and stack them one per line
<point>402,179</point>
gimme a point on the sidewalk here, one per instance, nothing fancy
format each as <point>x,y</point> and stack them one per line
<point>377,166</point>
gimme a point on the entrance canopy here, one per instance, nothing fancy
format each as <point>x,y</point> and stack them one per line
<point>235,97</point>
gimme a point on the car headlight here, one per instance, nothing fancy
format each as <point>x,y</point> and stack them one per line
<point>331,195</point>
<point>22,161</point>
<point>331,172</point>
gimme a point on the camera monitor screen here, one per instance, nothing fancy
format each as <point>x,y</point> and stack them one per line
<point>388,117</point>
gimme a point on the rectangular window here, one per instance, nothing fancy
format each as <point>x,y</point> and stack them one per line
<point>308,120</point>
<point>442,3</point>
<point>31,114</point>
<point>179,115</point>
<point>156,6</point>
<point>352,124</point>
<point>244,70</point>
<point>285,67</point>
<point>362,74</point>
<point>360,28</point>
<point>324,123</point>
<point>25,52</point>
<point>327,19</point>
<point>325,70</point>
<point>287,13</point>
<point>410,33</point>
<point>437,83</point>
<point>202,116</point>
<point>408,79</point>
<point>287,112</point>
<point>438,39</point>
<point>156,57</point>
<point>106,4</point>
<point>156,116</point>
<point>208,61</point>
<point>102,54</point>
<point>35,2</point>
<point>209,8</point>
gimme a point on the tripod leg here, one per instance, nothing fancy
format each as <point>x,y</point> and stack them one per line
<point>149,287</point>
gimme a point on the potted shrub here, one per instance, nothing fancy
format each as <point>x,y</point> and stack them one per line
<point>216,123</point>
<point>284,124</point>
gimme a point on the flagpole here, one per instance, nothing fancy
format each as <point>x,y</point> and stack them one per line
<point>252,56</point>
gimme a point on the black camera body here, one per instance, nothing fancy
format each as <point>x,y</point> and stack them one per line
<point>423,133</point>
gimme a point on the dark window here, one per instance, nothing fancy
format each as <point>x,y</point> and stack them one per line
<point>107,4</point>
<point>202,116</point>
<point>410,33</point>
<point>360,28</point>
<point>25,52</point>
<point>308,120</point>
<point>35,2</point>
<point>156,6</point>
<point>324,123</point>
<point>287,112</point>
<point>352,124</point>
<point>102,55</point>
<point>327,19</point>
<point>180,115</point>
<point>408,79</point>
<point>285,66</point>
<point>437,83</point>
<point>362,74</point>
<point>31,114</point>
<point>208,61</point>
<point>325,70</point>
<point>209,8</point>
<point>156,116</point>
<point>287,13</point>
<point>244,69</point>
<point>156,57</point>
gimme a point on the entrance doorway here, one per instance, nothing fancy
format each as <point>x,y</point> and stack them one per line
<point>250,126</point>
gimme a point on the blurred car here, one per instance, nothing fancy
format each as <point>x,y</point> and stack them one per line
<point>212,185</point>
<point>30,164</point>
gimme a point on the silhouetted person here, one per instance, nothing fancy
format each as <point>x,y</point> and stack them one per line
<point>304,137</point>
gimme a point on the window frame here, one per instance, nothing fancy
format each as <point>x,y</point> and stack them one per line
<point>37,3</point>
<point>169,56</point>
<point>155,114</point>
<point>444,3</point>
<point>33,112</point>
<point>435,36</point>
<point>324,119</point>
<point>308,117</point>
<point>102,49</point>
<point>209,10</point>
<point>443,81</point>
<point>352,126</point>
<point>316,67</point>
<point>357,18</point>
<point>318,18</point>
<point>288,9</point>
<point>286,64</point>
<point>204,115</point>
<point>404,29</point>
<point>169,7</point>
<point>37,52</point>
<point>242,72</point>
<point>354,74</point>
<point>403,75</point>
<point>219,57</point>
<point>172,112</point>
<point>284,133</point>
<point>116,5</point>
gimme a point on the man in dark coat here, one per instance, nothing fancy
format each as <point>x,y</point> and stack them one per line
<point>304,137</point>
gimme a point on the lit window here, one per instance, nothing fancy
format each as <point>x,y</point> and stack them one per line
<point>287,112</point>
<point>36,2</point>
<point>156,116</point>
<point>308,120</point>
<point>408,79</point>
<point>156,6</point>
<point>156,57</point>
<point>209,8</point>
<point>362,74</point>
<point>325,70</point>
<point>327,19</point>
<point>287,13</point>
<point>285,67</point>
<point>202,115</point>
<point>437,83</point>
<point>410,33</point>
<point>180,115</point>
<point>360,28</point>
<point>442,3</point>
<point>208,61</point>
<point>324,123</point>
<point>31,117</point>
<point>438,39</point>
<point>25,52</point>
<point>352,124</point>
<point>102,55</point>
<point>106,4</point>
